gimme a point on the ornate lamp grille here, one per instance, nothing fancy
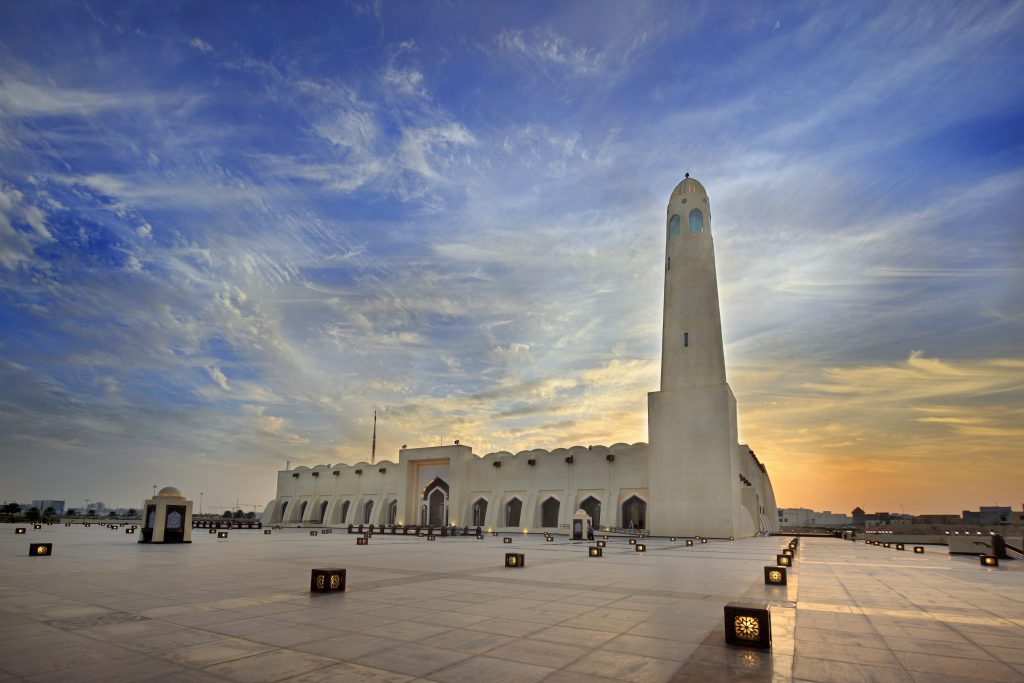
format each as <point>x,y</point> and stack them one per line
<point>747,628</point>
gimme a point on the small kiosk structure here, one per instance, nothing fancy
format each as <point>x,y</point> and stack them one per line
<point>581,523</point>
<point>168,518</point>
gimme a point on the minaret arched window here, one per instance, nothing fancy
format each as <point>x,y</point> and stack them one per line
<point>674,225</point>
<point>696,221</point>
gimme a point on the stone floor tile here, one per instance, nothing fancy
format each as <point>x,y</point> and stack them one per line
<point>626,667</point>
<point>412,659</point>
<point>555,655</point>
<point>987,670</point>
<point>492,670</point>
<point>506,627</point>
<point>651,647</point>
<point>831,671</point>
<point>348,672</point>
<point>213,652</point>
<point>270,666</point>
<point>476,642</point>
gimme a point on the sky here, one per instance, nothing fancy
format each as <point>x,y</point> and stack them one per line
<point>229,232</point>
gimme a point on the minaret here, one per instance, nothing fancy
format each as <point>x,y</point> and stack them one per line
<point>692,419</point>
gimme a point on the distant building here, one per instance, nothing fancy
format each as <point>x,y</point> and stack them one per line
<point>57,505</point>
<point>950,520</point>
<point>804,517</point>
<point>991,515</point>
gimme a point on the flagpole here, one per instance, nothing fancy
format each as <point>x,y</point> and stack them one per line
<point>373,447</point>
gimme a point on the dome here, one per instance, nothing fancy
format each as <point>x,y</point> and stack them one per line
<point>689,186</point>
<point>170,492</point>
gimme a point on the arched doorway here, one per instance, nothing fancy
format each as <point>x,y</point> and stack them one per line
<point>344,513</point>
<point>323,512</point>
<point>513,509</point>
<point>592,506</point>
<point>549,512</point>
<point>302,511</point>
<point>284,509</point>
<point>634,513</point>
<point>479,512</point>
<point>367,512</point>
<point>392,512</point>
<point>434,510</point>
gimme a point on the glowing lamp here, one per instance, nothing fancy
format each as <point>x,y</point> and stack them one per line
<point>212,531</point>
<point>19,531</point>
<point>642,536</point>
<point>784,560</point>
<point>494,533</point>
<point>885,545</point>
<point>632,541</point>
<point>595,551</point>
<point>550,539</point>
<point>312,533</point>
<point>222,534</point>
<point>601,544</point>
<point>362,540</point>
<point>919,549</point>
<point>507,539</point>
<point>733,538</point>
<point>989,561</point>
<point>899,546</point>
<point>689,542</point>
<point>327,580</point>
<point>775,576</point>
<point>40,549</point>
<point>37,526</point>
<point>431,537</point>
<point>673,539</point>
<point>129,531</point>
<point>747,625</point>
<point>703,540</point>
<point>479,537</point>
<point>515,560</point>
<point>641,547</point>
<point>788,552</point>
<point>266,532</point>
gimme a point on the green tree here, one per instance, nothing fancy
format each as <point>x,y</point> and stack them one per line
<point>72,512</point>
<point>250,515</point>
<point>239,514</point>
<point>227,514</point>
<point>49,512</point>
<point>33,514</point>
<point>12,508</point>
<point>132,512</point>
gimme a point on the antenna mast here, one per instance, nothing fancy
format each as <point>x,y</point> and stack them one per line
<point>373,446</point>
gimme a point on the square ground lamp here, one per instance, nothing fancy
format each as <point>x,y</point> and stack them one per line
<point>672,540</point>
<point>641,547</point>
<point>37,526</point>
<point>689,542</point>
<point>595,551</point>
<point>601,544</point>
<point>19,531</point>
<point>312,533</point>
<point>784,560</point>
<point>362,540</point>
<point>431,537</point>
<point>40,549</point>
<point>775,576</point>
<point>885,545</point>
<point>327,580</point>
<point>212,531</point>
<point>516,560</point>
<point>919,549</point>
<point>494,533</point>
<point>632,541</point>
<point>222,534</point>
<point>550,539</point>
<point>266,532</point>
<point>989,561</point>
<point>703,540</point>
<point>129,531</point>
<point>788,552</point>
<point>747,625</point>
<point>899,546</point>
<point>479,537</point>
<point>507,539</point>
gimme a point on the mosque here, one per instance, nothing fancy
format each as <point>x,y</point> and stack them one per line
<point>693,478</point>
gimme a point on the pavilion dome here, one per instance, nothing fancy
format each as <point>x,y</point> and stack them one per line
<point>170,492</point>
<point>689,186</point>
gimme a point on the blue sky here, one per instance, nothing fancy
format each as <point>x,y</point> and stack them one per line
<point>230,231</point>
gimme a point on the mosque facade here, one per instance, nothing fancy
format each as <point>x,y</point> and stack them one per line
<point>692,478</point>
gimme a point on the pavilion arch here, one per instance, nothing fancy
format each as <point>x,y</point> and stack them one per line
<point>279,515</point>
<point>392,512</point>
<point>366,512</point>
<point>434,503</point>
<point>634,513</point>
<point>320,512</point>
<point>343,516</point>
<point>478,512</point>
<point>299,511</point>
<point>549,510</point>
<point>592,506</point>
<point>513,512</point>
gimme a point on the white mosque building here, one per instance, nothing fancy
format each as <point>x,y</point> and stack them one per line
<point>693,478</point>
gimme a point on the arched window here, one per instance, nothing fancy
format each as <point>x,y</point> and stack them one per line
<point>634,513</point>
<point>438,503</point>
<point>343,517</point>
<point>323,512</point>
<point>512,511</point>
<point>367,511</point>
<point>696,221</point>
<point>302,511</point>
<point>549,512</point>
<point>674,225</point>
<point>392,512</point>
<point>592,506</point>
<point>284,508</point>
<point>479,512</point>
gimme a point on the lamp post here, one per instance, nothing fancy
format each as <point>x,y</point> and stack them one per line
<point>200,502</point>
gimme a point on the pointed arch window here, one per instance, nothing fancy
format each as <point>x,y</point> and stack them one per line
<point>344,513</point>
<point>634,513</point>
<point>674,225</point>
<point>513,509</point>
<point>368,512</point>
<point>549,512</point>
<point>696,221</point>
<point>302,511</point>
<point>592,506</point>
<point>479,512</point>
<point>323,512</point>
<point>392,512</point>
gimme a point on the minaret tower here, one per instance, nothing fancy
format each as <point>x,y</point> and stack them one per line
<point>692,419</point>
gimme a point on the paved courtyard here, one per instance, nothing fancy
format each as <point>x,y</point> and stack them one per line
<point>104,608</point>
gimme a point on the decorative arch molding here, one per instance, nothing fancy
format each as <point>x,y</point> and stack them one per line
<point>549,511</point>
<point>345,511</point>
<point>633,513</point>
<point>476,512</point>
<point>512,511</point>
<point>318,513</point>
<point>591,504</point>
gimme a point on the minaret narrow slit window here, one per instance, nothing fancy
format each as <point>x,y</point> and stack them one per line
<point>686,338</point>
<point>696,221</point>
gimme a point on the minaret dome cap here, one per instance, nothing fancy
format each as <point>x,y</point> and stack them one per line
<point>689,186</point>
